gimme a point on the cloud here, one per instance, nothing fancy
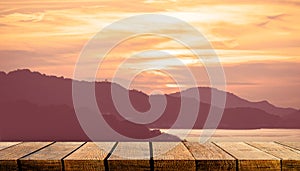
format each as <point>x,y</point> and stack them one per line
<point>277,17</point>
<point>3,25</point>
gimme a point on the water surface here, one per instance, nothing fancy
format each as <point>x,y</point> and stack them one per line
<point>239,135</point>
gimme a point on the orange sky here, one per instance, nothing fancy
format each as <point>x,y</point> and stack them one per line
<point>258,42</point>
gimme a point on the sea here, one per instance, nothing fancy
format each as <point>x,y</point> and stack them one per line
<point>203,135</point>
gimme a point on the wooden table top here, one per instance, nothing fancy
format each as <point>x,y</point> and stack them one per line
<point>150,156</point>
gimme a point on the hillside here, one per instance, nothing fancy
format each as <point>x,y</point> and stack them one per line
<point>35,106</point>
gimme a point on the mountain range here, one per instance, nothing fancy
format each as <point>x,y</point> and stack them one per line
<point>35,106</point>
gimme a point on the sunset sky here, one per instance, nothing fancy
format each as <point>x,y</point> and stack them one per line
<point>258,42</point>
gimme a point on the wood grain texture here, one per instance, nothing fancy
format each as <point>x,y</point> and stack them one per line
<point>90,157</point>
<point>295,145</point>
<point>172,156</point>
<point>50,157</point>
<point>250,158</point>
<point>261,156</point>
<point>209,157</point>
<point>290,157</point>
<point>9,156</point>
<point>130,156</point>
<point>4,145</point>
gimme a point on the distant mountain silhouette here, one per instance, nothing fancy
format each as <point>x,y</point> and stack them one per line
<point>292,120</point>
<point>35,106</point>
<point>233,101</point>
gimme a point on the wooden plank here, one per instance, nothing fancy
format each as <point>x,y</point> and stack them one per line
<point>4,145</point>
<point>250,158</point>
<point>295,145</point>
<point>172,156</point>
<point>130,156</point>
<point>9,156</point>
<point>290,158</point>
<point>209,157</point>
<point>50,157</point>
<point>89,157</point>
